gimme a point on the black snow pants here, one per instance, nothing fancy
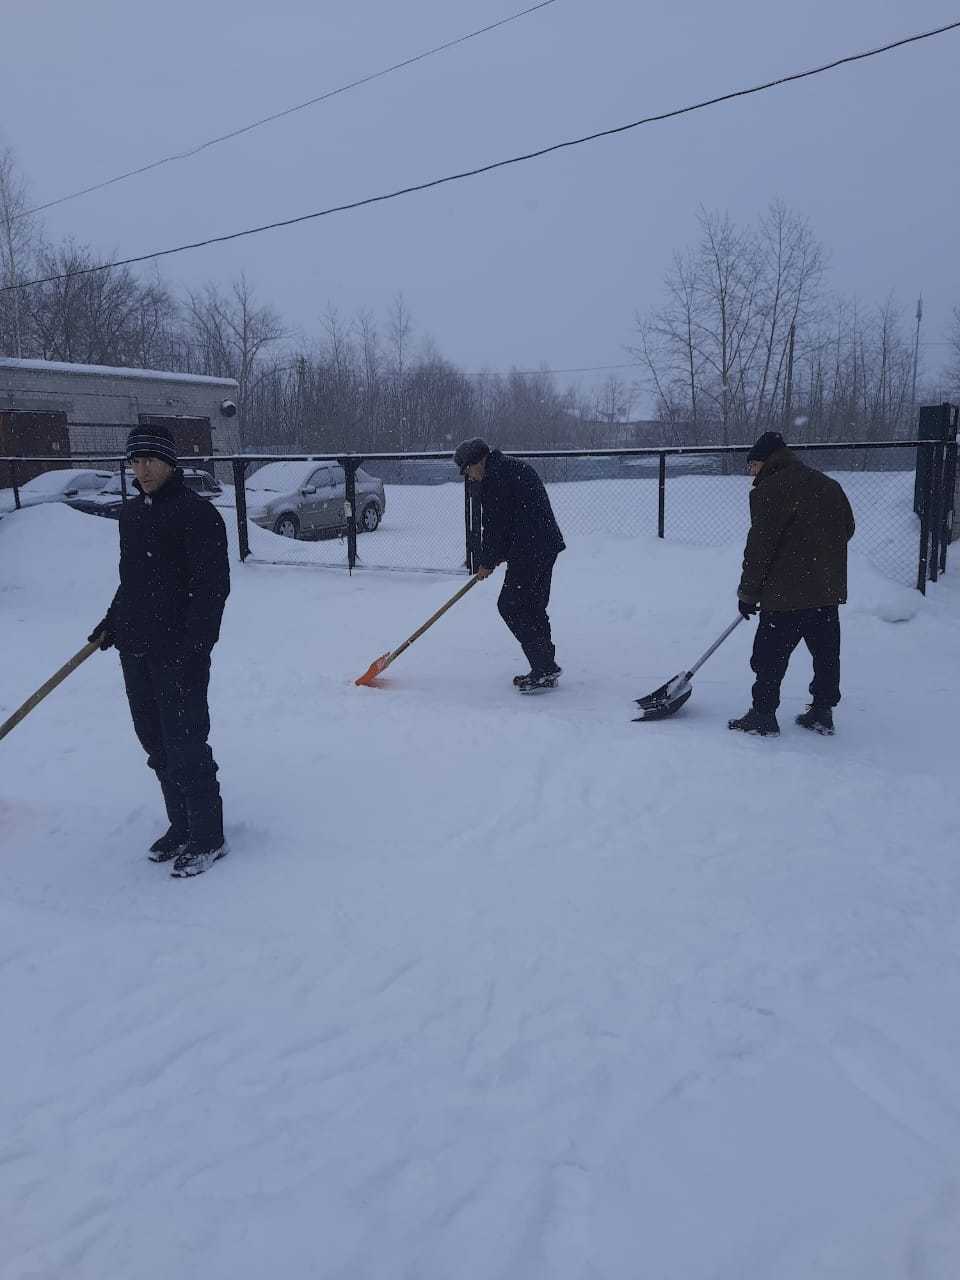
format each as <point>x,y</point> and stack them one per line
<point>523,606</point>
<point>168,703</point>
<point>778,635</point>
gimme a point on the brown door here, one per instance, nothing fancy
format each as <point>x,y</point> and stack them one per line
<point>192,436</point>
<point>32,434</point>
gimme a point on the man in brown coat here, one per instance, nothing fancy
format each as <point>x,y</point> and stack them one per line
<point>795,573</point>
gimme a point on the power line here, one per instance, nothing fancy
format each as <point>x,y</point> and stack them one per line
<point>288,111</point>
<point>591,368</point>
<point>497,164</point>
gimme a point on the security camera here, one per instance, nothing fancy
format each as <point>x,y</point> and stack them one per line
<point>228,408</point>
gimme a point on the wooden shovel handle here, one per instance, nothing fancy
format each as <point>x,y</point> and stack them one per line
<point>88,649</point>
<point>433,617</point>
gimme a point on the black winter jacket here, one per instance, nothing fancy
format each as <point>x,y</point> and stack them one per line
<point>800,524</point>
<point>518,521</point>
<point>174,575</point>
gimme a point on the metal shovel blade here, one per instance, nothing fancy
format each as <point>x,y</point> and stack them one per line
<point>667,700</point>
<point>670,697</point>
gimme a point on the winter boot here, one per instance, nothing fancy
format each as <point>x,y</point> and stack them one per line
<point>167,846</point>
<point>521,682</point>
<point>817,718</point>
<point>538,681</point>
<point>197,858</point>
<point>761,723</point>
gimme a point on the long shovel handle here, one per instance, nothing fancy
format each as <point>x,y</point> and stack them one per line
<point>35,698</point>
<point>716,645</point>
<point>434,617</point>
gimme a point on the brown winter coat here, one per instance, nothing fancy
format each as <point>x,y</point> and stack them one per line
<point>800,524</point>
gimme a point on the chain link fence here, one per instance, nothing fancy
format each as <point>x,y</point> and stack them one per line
<point>695,497</point>
<point>426,521</point>
<point>703,498</point>
<point>714,509</point>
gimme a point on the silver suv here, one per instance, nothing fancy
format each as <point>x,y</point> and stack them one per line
<point>306,499</point>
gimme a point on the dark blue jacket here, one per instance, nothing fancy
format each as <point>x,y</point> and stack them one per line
<point>174,575</point>
<point>518,523</point>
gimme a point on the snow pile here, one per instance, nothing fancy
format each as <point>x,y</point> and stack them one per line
<point>490,987</point>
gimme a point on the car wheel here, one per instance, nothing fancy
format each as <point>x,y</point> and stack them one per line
<point>370,518</point>
<point>287,525</point>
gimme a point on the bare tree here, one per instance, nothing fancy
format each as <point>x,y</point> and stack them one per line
<point>399,335</point>
<point>372,391</point>
<point>229,336</point>
<point>730,276</point>
<point>106,316</point>
<point>668,349</point>
<point>953,359</point>
<point>18,232</point>
<point>614,399</point>
<point>792,265</point>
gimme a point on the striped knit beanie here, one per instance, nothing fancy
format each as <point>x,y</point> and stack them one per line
<point>152,442</point>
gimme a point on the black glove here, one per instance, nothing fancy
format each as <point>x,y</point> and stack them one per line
<point>747,608</point>
<point>103,632</point>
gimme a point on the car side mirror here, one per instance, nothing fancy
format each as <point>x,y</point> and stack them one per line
<point>307,492</point>
<point>70,493</point>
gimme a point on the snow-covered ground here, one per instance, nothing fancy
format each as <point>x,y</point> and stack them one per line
<point>489,987</point>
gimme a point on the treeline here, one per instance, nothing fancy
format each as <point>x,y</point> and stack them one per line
<point>747,337</point>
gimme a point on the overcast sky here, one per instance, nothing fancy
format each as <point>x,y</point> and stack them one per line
<point>543,262</point>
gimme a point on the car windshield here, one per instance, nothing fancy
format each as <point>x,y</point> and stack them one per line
<point>49,482</point>
<point>113,486</point>
<point>281,477</point>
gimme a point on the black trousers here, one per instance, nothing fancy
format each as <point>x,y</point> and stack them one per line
<point>171,718</point>
<point>523,606</point>
<point>778,635</point>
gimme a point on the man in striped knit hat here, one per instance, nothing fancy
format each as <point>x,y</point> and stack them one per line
<point>164,622</point>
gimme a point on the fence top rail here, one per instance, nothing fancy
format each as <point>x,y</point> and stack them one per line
<point>647,451</point>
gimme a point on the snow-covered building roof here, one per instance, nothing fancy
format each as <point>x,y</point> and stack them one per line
<point>47,367</point>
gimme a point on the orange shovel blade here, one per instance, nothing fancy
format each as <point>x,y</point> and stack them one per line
<point>371,673</point>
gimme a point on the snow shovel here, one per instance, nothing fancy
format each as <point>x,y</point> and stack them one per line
<point>380,664</point>
<point>670,697</point>
<point>22,712</point>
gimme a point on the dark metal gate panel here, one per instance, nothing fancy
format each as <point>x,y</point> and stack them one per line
<point>24,434</point>
<point>192,436</point>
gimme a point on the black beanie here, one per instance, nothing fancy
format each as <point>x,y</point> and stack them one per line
<point>469,452</point>
<point>767,445</point>
<point>152,442</point>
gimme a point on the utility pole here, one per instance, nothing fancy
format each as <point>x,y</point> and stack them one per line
<point>916,353</point>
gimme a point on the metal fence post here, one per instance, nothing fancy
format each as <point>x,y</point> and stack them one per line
<point>472,520</point>
<point>925,502</point>
<point>16,487</point>
<point>467,527</point>
<point>949,483</point>
<point>936,511</point>
<point>476,522</point>
<point>240,490</point>
<point>350,473</point>
<point>662,497</point>
<point>946,508</point>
